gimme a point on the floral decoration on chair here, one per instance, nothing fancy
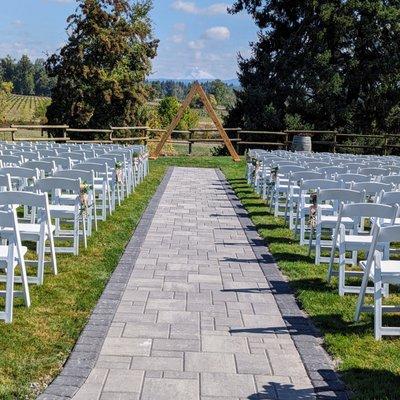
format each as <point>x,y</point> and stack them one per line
<point>84,197</point>
<point>312,220</point>
<point>119,173</point>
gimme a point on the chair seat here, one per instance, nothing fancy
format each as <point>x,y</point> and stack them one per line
<point>358,242</point>
<point>331,220</point>
<point>388,221</point>
<point>61,210</point>
<point>4,255</point>
<point>390,270</point>
<point>27,231</point>
<point>68,196</point>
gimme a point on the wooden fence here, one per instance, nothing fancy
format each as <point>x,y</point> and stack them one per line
<point>330,141</point>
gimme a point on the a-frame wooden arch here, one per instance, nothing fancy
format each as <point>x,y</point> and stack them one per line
<point>197,89</point>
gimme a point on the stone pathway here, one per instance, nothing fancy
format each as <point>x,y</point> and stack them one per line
<point>197,318</point>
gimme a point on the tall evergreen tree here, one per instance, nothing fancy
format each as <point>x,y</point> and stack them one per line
<point>101,70</point>
<point>325,64</point>
<point>24,82</point>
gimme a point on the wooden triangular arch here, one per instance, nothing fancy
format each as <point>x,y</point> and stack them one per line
<point>197,89</point>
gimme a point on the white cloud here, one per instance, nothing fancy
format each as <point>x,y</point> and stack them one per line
<point>191,8</point>
<point>217,33</point>
<point>17,23</point>
<point>179,27</point>
<point>177,39</point>
<point>196,44</point>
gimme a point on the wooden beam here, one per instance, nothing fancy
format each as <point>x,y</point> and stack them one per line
<point>197,89</point>
<point>217,122</point>
<point>175,122</point>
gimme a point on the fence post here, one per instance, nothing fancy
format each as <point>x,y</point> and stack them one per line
<point>385,144</point>
<point>238,139</point>
<point>190,141</point>
<point>287,140</point>
<point>334,141</point>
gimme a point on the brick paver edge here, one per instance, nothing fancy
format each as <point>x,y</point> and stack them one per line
<point>307,338</point>
<point>84,355</point>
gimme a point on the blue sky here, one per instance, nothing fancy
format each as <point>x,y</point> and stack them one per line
<point>198,38</point>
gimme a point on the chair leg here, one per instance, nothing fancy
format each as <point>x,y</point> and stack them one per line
<point>40,265</point>
<point>76,235</point>
<point>302,230</point>
<point>378,309</point>
<point>361,296</point>
<point>84,219</point>
<point>318,232</point>
<point>25,286</point>
<point>94,212</point>
<point>52,251</point>
<point>103,202</point>
<point>9,293</point>
<point>332,258</point>
<point>342,270</point>
<point>108,191</point>
<point>276,203</point>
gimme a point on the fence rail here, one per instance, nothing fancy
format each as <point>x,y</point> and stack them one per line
<point>332,141</point>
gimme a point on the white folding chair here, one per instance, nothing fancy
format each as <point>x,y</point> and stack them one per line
<point>331,172</point>
<point>351,178</point>
<point>38,230</point>
<point>11,255</point>
<point>328,221</point>
<point>63,163</point>
<point>102,186</point>
<point>375,172</point>
<point>84,177</point>
<point>392,180</point>
<point>304,205</point>
<point>280,189</point>
<point>382,271</point>
<point>355,240</point>
<point>64,212</point>
<point>293,192</point>
<point>46,168</point>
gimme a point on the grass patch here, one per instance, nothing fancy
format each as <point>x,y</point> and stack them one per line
<point>36,345</point>
<point>370,369</point>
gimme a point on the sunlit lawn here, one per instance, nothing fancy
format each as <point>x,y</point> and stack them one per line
<point>38,342</point>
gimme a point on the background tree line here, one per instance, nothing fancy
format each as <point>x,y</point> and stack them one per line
<point>326,64</point>
<point>222,93</point>
<point>26,77</point>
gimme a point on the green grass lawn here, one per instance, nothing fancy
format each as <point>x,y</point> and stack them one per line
<point>370,369</point>
<point>36,344</point>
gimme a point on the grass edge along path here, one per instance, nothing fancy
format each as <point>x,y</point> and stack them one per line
<point>36,345</point>
<point>370,369</point>
<point>40,339</point>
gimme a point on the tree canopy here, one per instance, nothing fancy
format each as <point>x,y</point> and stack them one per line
<point>27,77</point>
<point>101,70</point>
<point>325,64</point>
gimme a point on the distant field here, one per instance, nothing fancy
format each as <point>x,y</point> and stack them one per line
<point>20,108</point>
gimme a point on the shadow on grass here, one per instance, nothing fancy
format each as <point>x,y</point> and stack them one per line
<point>372,384</point>
<point>370,369</point>
<point>369,384</point>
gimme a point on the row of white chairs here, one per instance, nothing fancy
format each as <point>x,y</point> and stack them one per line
<point>344,206</point>
<point>57,199</point>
